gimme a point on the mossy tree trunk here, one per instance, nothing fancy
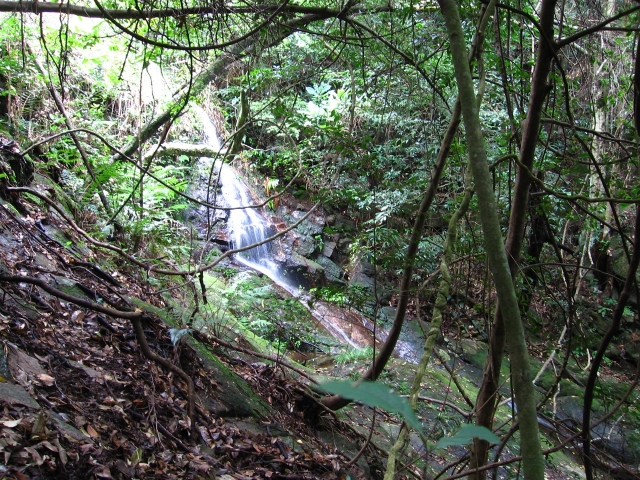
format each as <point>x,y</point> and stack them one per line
<point>533,460</point>
<point>487,396</point>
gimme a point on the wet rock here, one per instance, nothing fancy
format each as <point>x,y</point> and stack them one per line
<point>609,435</point>
<point>305,245</point>
<point>311,226</point>
<point>387,313</point>
<point>298,260</point>
<point>473,351</point>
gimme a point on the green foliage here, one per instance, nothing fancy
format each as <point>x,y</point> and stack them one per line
<point>354,355</point>
<point>374,394</point>
<point>345,296</point>
<point>466,434</point>
<point>257,307</point>
<point>332,293</point>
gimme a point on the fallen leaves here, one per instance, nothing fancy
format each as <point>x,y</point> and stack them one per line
<point>19,441</point>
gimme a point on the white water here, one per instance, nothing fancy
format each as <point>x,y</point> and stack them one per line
<point>245,226</point>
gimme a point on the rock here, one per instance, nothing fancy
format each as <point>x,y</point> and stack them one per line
<point>340,223</point>
<point>304,245</point>
<point>328,248</point>
<point>311,226</point>
<point>344,244</point>
<point>620,267</point>
<point>332,271</point>
<point>363,281</point>
<point>387,313</point>
<point>15,394</point>
<point>473,351</point>
<point>310,265</point>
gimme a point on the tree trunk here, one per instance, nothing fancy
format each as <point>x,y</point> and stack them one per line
<point>533,461</point>
<point>336,402</point>
<point>486,401</point>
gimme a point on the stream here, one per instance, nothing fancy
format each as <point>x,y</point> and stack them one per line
<point>247,226</point>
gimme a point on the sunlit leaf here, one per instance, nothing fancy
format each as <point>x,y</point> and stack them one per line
<point>466,434</point>
<point>374,394</point>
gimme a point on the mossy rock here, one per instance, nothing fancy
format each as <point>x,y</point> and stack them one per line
<point>234,395</point>
<point>70,287</point>
<point>233,392</point>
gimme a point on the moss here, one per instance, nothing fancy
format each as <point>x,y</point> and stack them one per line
<point>233,392</point>
<point>69,287</point>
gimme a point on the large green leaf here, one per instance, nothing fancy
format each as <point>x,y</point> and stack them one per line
<point>466,434</point>
<point>374,394</point>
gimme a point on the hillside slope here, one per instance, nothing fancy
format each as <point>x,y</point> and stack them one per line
<point>80,400</point>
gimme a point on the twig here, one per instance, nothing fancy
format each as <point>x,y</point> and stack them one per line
<point>446,404</point>
<point>144,347</point>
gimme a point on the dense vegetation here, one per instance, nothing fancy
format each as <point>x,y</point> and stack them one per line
<point>389,115</point>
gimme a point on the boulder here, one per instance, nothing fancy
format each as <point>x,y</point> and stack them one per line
<point>332,271</point>
<point>328,248</point>
<point>304,245</point>
<point>341,223</point>
<point>298,260</point>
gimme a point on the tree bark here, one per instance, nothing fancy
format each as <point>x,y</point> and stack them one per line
<point>337,402</point>
<point>241,125</point>
<point>452,232</point>
<point>533,462</point>
<point>486,400</point>
<point>38,7</point>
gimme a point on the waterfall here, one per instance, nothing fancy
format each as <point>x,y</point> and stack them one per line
<point>245,226</point>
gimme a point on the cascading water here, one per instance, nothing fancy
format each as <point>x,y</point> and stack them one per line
<point>246,226</point>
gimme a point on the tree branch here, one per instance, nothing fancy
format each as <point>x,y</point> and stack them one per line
<point>34,6</point>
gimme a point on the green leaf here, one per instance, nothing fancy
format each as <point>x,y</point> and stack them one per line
<point>177,333</point>
<point>466,434</point>
<point>374,394</point>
